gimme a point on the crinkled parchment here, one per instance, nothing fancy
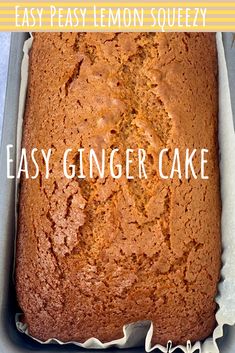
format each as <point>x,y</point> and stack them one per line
<point>141,333</point>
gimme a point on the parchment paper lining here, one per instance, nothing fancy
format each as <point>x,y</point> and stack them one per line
<point>141,333</point>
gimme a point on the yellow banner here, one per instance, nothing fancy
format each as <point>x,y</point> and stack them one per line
<point>117,16</point>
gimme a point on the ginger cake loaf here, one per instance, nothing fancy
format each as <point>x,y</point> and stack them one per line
<point>94,254</point>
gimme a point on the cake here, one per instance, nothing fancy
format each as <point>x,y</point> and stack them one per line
<point>96,254</point>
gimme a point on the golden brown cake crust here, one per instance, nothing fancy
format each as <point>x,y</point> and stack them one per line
<point>94,255</point>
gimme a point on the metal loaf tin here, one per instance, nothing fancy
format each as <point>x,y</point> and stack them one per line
<point>12,341</point>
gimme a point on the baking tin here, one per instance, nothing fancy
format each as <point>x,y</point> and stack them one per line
<point>11,340</point>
